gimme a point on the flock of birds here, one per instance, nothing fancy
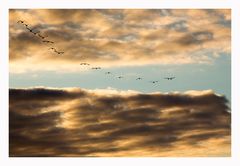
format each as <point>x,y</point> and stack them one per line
<point>41,36</point>
<point>44,40</point>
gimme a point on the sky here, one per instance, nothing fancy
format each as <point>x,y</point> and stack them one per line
<point>193,46</point>
<point>126,42</point>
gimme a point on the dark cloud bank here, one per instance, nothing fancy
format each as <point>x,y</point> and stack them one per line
<point>76,122</point>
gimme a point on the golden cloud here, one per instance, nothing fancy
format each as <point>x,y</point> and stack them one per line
<point>113,38</point>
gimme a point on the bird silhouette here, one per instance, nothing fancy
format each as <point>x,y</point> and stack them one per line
<point>23,23</point>
<point>32,31</point>
<point>38,33</point>
<point>55,50</point>
<point>169,78</point>
<point>52,48</point>
<point>139,78</point>
<point>96,68</point>
<point>59,52</point>
<point>85,64</point>
<point>47,41</point>
<point>120,77</point>
<point>26,25</point>
<point>108,72</point>
<point>20,22</point>
<point>41,36</point>
<point>153,82</point>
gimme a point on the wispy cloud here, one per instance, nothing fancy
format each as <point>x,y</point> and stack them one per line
<point>78,122</point>
<point>118,37</point>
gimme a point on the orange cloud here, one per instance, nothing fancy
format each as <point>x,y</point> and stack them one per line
<point>113,38</point>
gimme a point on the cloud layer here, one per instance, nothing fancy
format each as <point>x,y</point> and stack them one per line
<point>78,122</point>
<point>118,37</point>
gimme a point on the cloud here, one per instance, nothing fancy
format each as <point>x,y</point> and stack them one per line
<point>78,122</point>
<point>113,38</point>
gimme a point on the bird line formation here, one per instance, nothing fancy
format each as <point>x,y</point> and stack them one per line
<point>121,77</point>
<point>44,40</point>
<point>41,36</point>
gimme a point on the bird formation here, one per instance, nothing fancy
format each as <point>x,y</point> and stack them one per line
<point>39,35</point>
<point>44,40</point>
<point>121,77</point>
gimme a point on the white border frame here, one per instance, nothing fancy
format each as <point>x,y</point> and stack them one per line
<point>99,4</point>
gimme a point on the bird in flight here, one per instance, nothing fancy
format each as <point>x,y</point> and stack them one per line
<point>41,36</point>
<point>85,64</point>
<point>38,33</point>
<point>32,31</point>
<point>23,23</point>
<point>153,82</point>
<point>169,78</point>
<point>96,68</point>
<point>54,49</point>
<point>20,22</point>
<point>47,41</point>
<point>120,77</point>
<point>26,25</point>
<point>59,52</point>
<point>139,78</point>
<point>108,72</point>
